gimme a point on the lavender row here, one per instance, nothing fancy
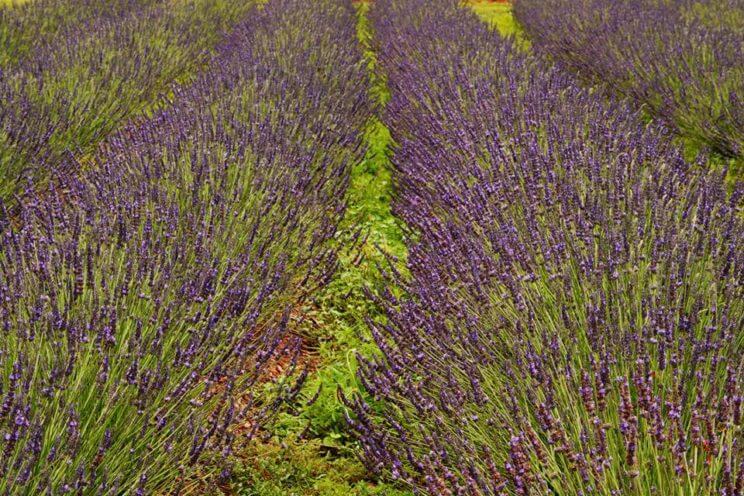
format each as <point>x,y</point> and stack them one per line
<point>573,322</point>
<point>144,304</point>
<point>83,78</point>
<point>28,26</point>
<point>681,60</point>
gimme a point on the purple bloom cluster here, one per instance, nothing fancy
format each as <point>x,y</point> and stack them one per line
<point>573,322</point>
<point>77,79</point>
<point>682,60</point>
<point>144,303</point>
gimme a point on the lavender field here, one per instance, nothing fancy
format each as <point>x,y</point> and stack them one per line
<point>391,247</point>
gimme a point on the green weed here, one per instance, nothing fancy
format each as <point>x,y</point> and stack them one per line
<point>305,468</point>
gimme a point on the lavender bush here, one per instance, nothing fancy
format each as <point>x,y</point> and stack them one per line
<point>573,322</point>
<point>85,77</point>
<point>145,302</point>
<point>681,60</point>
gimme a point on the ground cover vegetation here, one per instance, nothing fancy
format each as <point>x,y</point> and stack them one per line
<point>497,14</point>
<point>310,451</point>
<point>339,248</point>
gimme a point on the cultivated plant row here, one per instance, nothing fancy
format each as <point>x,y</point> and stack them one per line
<point>145,300</point>
<point>73,72</point>
<point>680,60</point>
<point>572,323</point>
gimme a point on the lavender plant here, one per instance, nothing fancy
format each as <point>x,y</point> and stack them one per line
<point>573,322</point>
<point>145,302</point>
<point>680,60</point>
<point>90,76</point>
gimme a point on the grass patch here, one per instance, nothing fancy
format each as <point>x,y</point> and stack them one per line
<point>498,15</point>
